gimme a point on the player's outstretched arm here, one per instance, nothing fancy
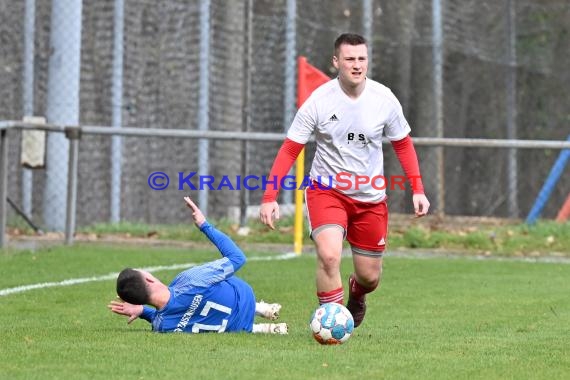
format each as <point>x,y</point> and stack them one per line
<point>227,247</point>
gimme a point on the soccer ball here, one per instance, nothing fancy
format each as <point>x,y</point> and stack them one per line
<point>331,323</point>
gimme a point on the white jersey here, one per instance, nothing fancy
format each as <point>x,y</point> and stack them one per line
<point>348,133</point>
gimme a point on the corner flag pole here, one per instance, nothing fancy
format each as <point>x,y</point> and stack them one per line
<point>298,229</point>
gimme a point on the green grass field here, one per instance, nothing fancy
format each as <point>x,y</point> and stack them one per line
<point>437,318</point>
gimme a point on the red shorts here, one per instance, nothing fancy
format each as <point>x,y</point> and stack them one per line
<point>365,224</point>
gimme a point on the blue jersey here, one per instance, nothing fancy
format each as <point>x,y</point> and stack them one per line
<point>208,297</point>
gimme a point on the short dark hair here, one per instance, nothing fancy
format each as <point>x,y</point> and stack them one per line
<point>131,287</point>
<point>349,39</point>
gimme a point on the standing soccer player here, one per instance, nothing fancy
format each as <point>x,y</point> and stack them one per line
<point>205,298</point>
<point>348,115</point>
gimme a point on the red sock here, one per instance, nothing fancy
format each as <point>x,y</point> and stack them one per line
<point>358,291</point>
<point>336,295</point>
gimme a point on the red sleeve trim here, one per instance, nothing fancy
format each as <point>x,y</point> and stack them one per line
<point>284,160</point>
<point>408,158</point>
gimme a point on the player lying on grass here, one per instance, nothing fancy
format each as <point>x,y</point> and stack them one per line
<point>203,298</point>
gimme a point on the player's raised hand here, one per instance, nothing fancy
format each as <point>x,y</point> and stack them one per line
<point>421,204</point>
<point>267,212</point>
<point>197,215</point>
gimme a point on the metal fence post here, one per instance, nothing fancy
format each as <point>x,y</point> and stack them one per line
<point>511,83</point>
<point>3,185</point>
<point>289,91</point>
<point>117,102</point>
<point>368,31</point>
<point>62,103</point>
<point>28,94</point>
<point>438,98</point>
<point>73,134</point>
<point>204,100</point>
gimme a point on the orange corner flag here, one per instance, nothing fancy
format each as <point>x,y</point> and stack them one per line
<point>309,78</point>
<point>564,213</point>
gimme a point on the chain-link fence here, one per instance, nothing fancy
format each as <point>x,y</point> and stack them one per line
<point>225,66</point>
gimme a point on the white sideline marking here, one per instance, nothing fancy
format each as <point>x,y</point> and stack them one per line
<point>111,276</point>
